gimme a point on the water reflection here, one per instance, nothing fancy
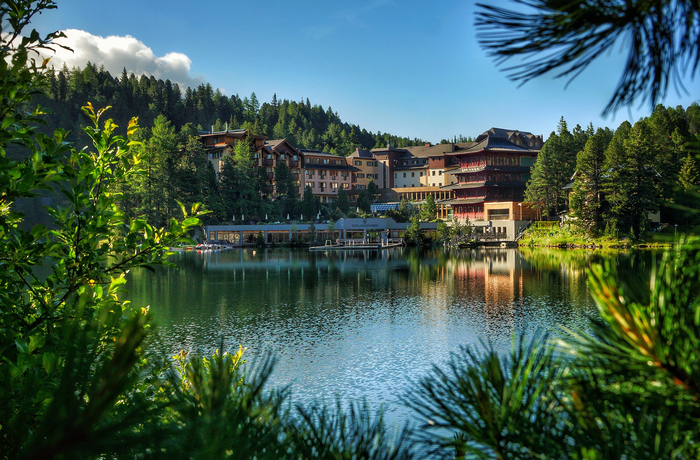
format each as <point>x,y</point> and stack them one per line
<point>362,323</point>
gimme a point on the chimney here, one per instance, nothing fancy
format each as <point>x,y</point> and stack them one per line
<point>427,144</point>
<point>212,129</point>
<point>227,126</point>
<point>388,145</point>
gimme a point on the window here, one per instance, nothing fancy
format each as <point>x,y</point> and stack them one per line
<point>360,176</point>
<point>433,173</point>
<point>404,174</point>
<point>358,163</point>
<point>282,157</point>
<point>371,163</point>
<point>413,174</point>
<point>421,174</point>
<point>441,173</point>
<point>396,175</point>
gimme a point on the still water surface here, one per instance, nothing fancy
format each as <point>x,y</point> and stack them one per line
<point>364,324</point>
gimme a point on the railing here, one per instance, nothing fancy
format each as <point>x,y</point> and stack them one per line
<point>499,217</point>
<point>294,164</point>
<point>521,232</point>
<point>267,162</point>
<point>270,176</point>
<point>495,236</point>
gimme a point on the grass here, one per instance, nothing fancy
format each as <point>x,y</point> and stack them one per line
<point>551,234</point>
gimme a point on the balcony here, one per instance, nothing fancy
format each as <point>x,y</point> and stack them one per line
<point>267,162</point>
<point>294,164</point>
<point>270,176</point>
<point>295,176</point>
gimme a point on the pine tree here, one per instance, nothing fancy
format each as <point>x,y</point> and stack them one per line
<point>587,194</point>
<point>342,202</point>
<point>429,209</point>
<point>363,202</point>
<point>645,181</point>
<point>688,188</point>
<point>308,204</point>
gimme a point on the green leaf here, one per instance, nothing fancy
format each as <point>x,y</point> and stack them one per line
<point>21,344</point>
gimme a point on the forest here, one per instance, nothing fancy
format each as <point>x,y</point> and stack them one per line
<point>610,180</point>
<point>302,124</point>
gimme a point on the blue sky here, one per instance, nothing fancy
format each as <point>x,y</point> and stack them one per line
<point>407,67</point>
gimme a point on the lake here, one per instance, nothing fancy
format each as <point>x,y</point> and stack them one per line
<point>366,324</point>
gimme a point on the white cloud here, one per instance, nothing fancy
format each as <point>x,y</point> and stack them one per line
<point>115,53</point>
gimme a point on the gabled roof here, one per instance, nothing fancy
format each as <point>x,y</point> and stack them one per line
<point>512,135</point>
<point>493,143</point>
<point>274,143</point>
<point>361,153</point>
<point>429,150</point>
<point>318,153</point>
<point>385,151</point>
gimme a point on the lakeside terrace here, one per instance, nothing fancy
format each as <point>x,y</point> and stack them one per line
<point>369,229</point>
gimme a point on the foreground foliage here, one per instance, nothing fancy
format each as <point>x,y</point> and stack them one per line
<point>626,389</point>
<point>76,381</point>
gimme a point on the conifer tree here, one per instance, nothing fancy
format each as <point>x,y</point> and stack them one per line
<point>342,201</point>
<point>587,194</point>
<point>429,209</point>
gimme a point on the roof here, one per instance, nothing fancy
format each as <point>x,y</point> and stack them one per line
<point>464,201</point>
<point>385,151</point>
<point>230,132</point>
<point>318,153</point>
<point>384,207</point>
<point>438,150</point>
<point>493,143</point>
<point>511,135</point>
<point>361,153</point>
